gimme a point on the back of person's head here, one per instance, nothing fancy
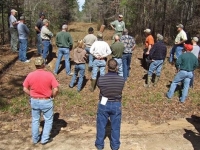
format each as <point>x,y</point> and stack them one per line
<point>64,27</point>
<point>116,37</point>
<point>80,44</point>
<point>90,30</point>
<point>112,65</point>
<point>125,32</point>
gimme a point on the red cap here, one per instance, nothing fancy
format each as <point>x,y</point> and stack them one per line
<point>188,47</point>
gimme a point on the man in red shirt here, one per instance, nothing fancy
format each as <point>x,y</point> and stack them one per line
<point>42,87</point>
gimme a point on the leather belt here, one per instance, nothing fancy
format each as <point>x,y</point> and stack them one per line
<point>46,98</point>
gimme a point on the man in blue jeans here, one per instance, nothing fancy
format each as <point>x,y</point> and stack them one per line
<point>64,43</point>
<point>185,64</point>
<point>42,87</point>
<point>23,32</point>
<point>109,106</point>
<point>129,46</point>
<point>157,56</point>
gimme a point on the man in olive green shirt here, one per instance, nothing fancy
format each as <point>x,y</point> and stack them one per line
<point>64,43</point>
<point>118,26</point>
<point>117,49</point>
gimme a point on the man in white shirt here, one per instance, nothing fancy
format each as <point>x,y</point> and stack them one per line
<point>100,50</point>
<point>179,43</point>
<point>13,30</point>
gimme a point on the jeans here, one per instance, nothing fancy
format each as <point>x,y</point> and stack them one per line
<point>156,65</point>
<point>90,56</point>
<point>111,110</point>
<point>177,50</point>
<point>14,39</point>
<point>126,61</point>
<point>81,69</point>
<point>22,49</point>
<point>120,67</point>
<point>181,76</point>
<point>192,80</point>
<point>98,64</point>
<point>39,44</point>
<point>47,49</point>
<point>66,53</point>
<point>46,107</point>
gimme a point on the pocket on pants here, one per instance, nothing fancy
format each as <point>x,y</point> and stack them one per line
<point>101,108</point>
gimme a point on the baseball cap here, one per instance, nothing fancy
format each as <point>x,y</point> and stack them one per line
<point>188,47</point>
<point>39,61</point>
<point>121,16</point>
<point>147,30</point>
<point>45,21</point>
<point>196,39</point>
<point>22,18</point>
<point>159,36</point>
<point>13,10</point>
<point>180,26</point>
<point>99,35</point>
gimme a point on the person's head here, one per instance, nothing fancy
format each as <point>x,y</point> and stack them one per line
<point>39,63</point>
<point>147,31</point>
<point>42,16</point>
<point>22,18</point>
<point>64,27</point>
<point>159,37</point>
<point>125,32</point>
<point>90,30</point>
<point>180,27</point>
<point>80,44</point>
<point>117,38</point>
<point>112,65</point>
<point>195,40</point>
<point>13,12</point>
<point>188,47</point>
<point>120,17</point>
<point>100,36</point>
<point>46,22</point>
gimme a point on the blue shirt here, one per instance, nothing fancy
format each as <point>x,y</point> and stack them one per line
<point>23,31</point>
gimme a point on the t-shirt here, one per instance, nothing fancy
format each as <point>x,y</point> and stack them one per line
<point>196,50</point>
<point>129,42</point>
<point>117,49</point>
<point>89,40</point>
<point>12,19</point>
<point>181,36</point>
<point>149,41</point>
<point>23,31</point>
<point>119,25</point>
<point>39,24</point>
<point>40,83</point>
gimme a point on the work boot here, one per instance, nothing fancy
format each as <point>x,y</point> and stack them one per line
<point>93,82</point>
<point>156,80</point>
<point>148,82</point>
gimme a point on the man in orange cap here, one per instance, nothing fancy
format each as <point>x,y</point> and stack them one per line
<point>186,64</point>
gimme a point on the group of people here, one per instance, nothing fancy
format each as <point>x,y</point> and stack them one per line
<point>42,85</point>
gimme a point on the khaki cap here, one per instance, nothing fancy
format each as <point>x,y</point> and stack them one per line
<point>13,10</point>
<point>147,30</point>
<point>39,61</point>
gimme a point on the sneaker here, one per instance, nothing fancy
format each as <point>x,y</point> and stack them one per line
<point>27,61</point>
<point>70,74</point>
<point>50,140</point>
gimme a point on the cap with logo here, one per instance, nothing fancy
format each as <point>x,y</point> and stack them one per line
<point>121,16</point>
<point>147,30</point>
<point>39,61</point>
<point>188,47</point>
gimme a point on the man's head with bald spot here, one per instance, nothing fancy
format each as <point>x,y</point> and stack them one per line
<point>116,38</point>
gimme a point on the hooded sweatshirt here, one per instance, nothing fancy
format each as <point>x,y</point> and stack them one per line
<point>79,56</point>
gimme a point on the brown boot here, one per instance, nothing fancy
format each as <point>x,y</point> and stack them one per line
<point>93,83</point>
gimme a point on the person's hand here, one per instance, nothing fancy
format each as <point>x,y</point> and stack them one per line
<point>147,53</point>
<point>152,60</point>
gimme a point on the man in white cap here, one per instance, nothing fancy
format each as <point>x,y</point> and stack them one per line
<point>118,26</point>
<point>13,30</point>
<point>180,39</point>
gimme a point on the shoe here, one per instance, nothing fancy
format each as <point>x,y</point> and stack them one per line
<point>70,86</point>
<point>50,140</point>
<point>55,73</point>
<point>27,61</point>
<point>70,74</point>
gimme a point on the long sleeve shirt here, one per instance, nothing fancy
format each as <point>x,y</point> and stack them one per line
<point>64,40</point>
<point>23,31</point>
<point>100,49</point>
<point>46,34</point>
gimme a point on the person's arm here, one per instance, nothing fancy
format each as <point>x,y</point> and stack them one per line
<point>151,42</point>
<point>37,29</point>
<point>26,29</point>
<point>70,42</point>
<point>48,32</point>
<point>108,50</point>
<point>92,49</point>
<point>55,92</point>
<point>26,90</point>
<point>133,41</point>
<point>152,52</point>
<point>178,63</point>
<point>112,25</point>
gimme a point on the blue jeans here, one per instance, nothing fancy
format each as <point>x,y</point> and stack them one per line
<point>120,67</point>
<point>39,44</point>
<point>46,107</point>
<point>112,111</point>
<point>90,56</point>
<point>181,76</point>
<point>177,50</point>
<point>81,69</point>
<point>46,46</point>
<point>66,53</point>
<point>98,64</point>
<point>126,61</point>
<point>155,66</point>
<point>22,49</point>
<point>192,80</point>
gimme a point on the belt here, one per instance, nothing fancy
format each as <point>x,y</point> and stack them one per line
<point>117,57</point>
<point>46,98</point>
<point>100,58</point>
<point>45,40</point>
